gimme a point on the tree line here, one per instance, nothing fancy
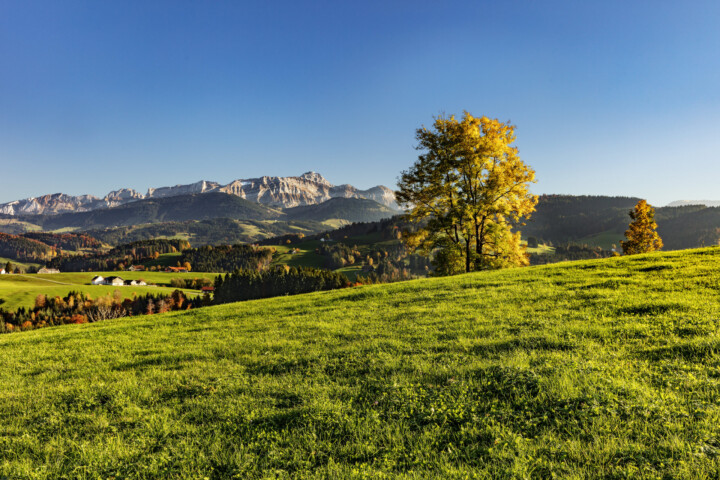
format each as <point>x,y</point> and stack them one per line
<point>65,241</point>
<point>24,249</point>
<point>79,307</point>
<point>227,258</point>
<point>119,257</point>
<point>250,284</point>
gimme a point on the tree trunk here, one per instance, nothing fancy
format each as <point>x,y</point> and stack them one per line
<point>467,255</point>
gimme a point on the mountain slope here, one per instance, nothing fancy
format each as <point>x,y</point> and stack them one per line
<point>258,220</point>
<point>168,209</point>
<point>348,209</point>
<point>683,203</point>
<point>308,189</point>
<point>600,369</point>
<point>215,231</point>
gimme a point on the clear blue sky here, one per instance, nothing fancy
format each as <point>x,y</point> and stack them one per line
<point>609,97</point>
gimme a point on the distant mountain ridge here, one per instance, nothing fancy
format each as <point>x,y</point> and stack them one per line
<point>685,203</point>
<point>310,188</point>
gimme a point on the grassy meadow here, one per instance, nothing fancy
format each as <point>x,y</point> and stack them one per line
<point>594,369</point>
<point>21,290</point>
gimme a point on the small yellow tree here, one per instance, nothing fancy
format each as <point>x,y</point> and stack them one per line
<point>641,235</point>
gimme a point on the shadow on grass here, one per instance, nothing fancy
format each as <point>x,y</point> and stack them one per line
<point>526,343</point>
<point>652,309</point>
<point>698,352</point>
<point>165,361</point>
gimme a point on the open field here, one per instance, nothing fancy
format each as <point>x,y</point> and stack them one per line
<point>164,260</point>
<point>22,265</point>
<point>21,290</point>
<point>604,240</point>
<point>541,250</point>
<point>595,369</point>
<point>306,257</point>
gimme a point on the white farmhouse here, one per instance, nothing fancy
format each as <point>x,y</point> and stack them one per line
<point>98,280</point>
<point>2,271</point>
<point>115,281</point>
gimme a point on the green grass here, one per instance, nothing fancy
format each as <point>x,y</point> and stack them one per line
<point>351,271</point>
<point>595,369</point>
<point>335,223</point>
<point>604,240</point>
<point>541,249</point>
<point>21,290</point>
<point>15,263</point>
<point>306,257</point>
<point>17,226</point>
<point>164,260</point>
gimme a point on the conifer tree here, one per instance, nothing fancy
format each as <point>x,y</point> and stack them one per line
<point>641,234</point>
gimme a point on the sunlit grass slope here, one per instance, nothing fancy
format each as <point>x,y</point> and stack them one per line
<point>597,369</point>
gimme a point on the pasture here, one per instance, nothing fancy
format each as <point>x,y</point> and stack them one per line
<point>594,369</point>
<point>21,290</point>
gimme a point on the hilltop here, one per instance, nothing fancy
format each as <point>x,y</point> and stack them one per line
<point>604,368</point>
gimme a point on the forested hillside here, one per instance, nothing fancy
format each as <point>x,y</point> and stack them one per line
<point>171,209</point>
<point>566,219</point>
<point>120,257</point>
<point>24,249</point>
<point>348,209</point>
<point>65,241</point>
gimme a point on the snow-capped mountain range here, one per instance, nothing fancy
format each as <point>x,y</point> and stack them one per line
<point>308,189</point>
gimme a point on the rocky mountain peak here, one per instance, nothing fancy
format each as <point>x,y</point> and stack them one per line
<point>308,189</point>
<point>315,178</point>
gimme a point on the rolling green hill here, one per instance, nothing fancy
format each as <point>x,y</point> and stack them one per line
<point>170,209</point>
<point>204,219</point>
<point>594,369</point>
<point>348,209</point>
<point>602,221</point>
<point>215,231</point>
<point>218,218</point>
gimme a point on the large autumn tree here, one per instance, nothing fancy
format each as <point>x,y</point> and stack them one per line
<point>469,188</point>
<point>641,234</point>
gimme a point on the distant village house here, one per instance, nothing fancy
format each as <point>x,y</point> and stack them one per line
<point>176,270</point>
<point>115,281</point>
<point>45,270</point>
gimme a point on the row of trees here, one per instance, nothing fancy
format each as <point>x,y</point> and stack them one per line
<point>78,307</point>
<point>191,283</point>
<point>119,257</point>
<point>250,284</point>
<point>24,249</point>
<point>65,241</point>
<point>143,249</point>
<point>228,258</point>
